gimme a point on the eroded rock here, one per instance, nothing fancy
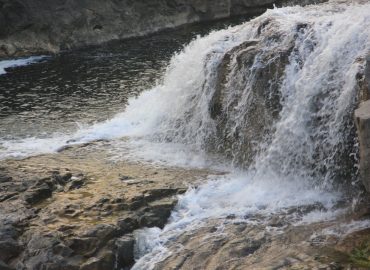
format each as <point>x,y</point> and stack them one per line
<point>75,212</point>
<point>125,250</point>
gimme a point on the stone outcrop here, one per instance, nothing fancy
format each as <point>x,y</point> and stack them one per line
<point>74,212</point>
<point>39,26</point>
<point>362,118</point>
<point>232,244</point>
<point>263,103</point>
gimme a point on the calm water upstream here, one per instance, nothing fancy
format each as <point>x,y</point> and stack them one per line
<point>89,85</point>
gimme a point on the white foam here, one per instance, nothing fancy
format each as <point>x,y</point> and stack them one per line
<point>345,228</point>
<point>18,62</point>
<point>289,171</point>
<point>237,194</point>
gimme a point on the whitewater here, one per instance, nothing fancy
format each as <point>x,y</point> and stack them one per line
<point>5,64</point>
<point>300,158</point>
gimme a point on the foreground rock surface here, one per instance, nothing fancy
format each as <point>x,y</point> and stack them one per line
<point>39,26</point>
<point>238,245</point>
<point>77,210</point>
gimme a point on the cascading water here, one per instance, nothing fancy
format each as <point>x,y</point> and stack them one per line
<point>283,85</point>
<point>276,95</point>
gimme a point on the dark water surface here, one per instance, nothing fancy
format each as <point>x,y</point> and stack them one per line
<point>88,85</point>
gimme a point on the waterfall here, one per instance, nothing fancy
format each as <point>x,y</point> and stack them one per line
<point>275,96</point>
<point>276,93</point>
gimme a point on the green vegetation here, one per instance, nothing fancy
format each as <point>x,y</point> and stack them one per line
<point>361,256</point>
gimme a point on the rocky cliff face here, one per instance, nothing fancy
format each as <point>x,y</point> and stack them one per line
<point>37,26</point>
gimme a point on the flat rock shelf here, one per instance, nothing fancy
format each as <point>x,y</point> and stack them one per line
<point>75,210</point>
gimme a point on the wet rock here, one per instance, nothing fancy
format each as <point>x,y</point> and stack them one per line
<point>136,202</point>
<point>364,80</point>
<point>104,261</point>
<point>7,196</point>
<point>150,220</point>
<point>263,105</point>
<point>75,184</point>
<point>5,178</point>
<point>103,232</point>
<point>9,248</point>
<point>247,247</point>
<point>37,194</point>
<point>128,224</point>
<point>154,194</point>
<point>79,226</point>
<point>362,115</point>
<point>4,266</point>
<point>84,245</point>
<point>125,177</point>
<point>125,251</point>
<point>46,251</point>
<point>362,119</point>
<point>157,213</point>
<point>61,179</point>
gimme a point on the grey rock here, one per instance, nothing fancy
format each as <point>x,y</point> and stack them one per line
<point>61,179</point>
<point>75,184</point>
<point>9,248</point>
<point>48,26</point>
<point>362,115</point>
<point>38,194</point>
<point>5,178</point>
<point>46,252</point>
<point>128,224</point>
<point>264,102</point>
<point>103,232</point>
<point>4,266</point>
<point>103,261</point>
<point>125,251</point>
<point>85,246</point>
<point>362,120</point>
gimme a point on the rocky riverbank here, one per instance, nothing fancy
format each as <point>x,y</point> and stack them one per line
<point>76,210</point>
<point>38,27</point>
<point>82,209</point>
